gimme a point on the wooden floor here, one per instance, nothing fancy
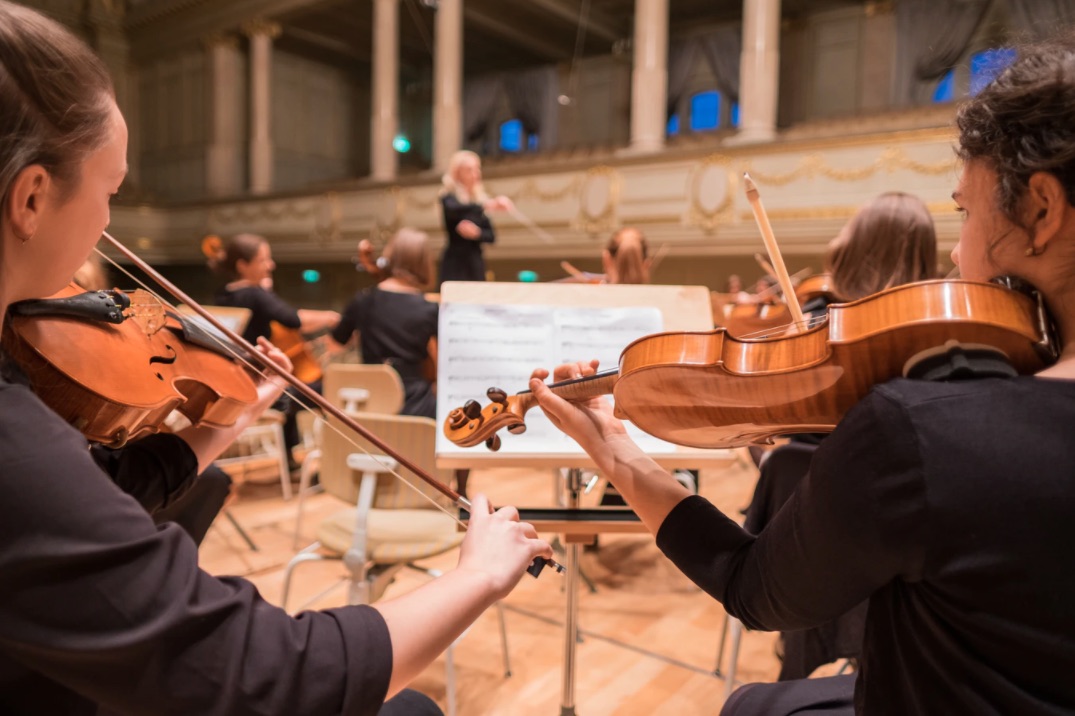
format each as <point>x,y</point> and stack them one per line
<point>650,637</point>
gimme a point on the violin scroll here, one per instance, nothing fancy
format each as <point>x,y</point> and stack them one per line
<point>471,424</point>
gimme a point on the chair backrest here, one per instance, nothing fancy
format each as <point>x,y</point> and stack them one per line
<point>382,382</point>
<point>414,437</point>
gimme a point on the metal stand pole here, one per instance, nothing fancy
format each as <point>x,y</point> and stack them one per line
<point>571,623</point>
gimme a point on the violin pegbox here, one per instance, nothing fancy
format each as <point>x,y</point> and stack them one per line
<point>471,424</point>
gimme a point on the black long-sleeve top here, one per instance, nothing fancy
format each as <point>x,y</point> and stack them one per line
<point>265,307</point>
<point>394,328</point>
<point>462,259</point>
<point>101,609</point>
<point>951,506</point>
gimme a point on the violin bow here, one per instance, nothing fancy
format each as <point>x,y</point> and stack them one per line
<point>311,395</point>
<point>774,250</point>
<point>658,257</point>
<point>526,221</point>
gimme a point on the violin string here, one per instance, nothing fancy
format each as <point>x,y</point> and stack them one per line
<point>325,424</point>
<point>807,324</point>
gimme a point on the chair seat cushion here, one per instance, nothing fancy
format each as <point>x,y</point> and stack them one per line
<point>393,535</point>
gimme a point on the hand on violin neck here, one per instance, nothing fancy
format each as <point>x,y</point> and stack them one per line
<point>498,547</point>
<point>589,422</point>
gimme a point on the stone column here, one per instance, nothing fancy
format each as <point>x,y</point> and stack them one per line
<point>649,76</point>
<point>384,161</point>
<point>447,82</point>
<point>759,70</point>
<point>261,34</point>
<point>223,160</point>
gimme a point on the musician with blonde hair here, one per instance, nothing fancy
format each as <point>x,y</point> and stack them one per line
<point>465,203</point>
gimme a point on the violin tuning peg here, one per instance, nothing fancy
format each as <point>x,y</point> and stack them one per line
<point>493,443</point>
<point>472,409</point>
<point>517,429</point>
<point>497,395</point>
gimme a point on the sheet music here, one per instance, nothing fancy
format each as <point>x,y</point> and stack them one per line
<point>484,346</point>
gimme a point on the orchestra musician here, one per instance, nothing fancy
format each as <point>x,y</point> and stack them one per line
<point>626,257</point>
<point>946,504</point>
<point>245,262</point>
<point>393,321</point>
<point>888,242</point>
<point>465,204</point>
<point>101,611</point>
<point>397,325</point>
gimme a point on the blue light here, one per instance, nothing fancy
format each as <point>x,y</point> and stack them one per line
<point>311,275</point>
<point>528,276</point>
<point>401,144</point>
<point>511,135</point>
<point>945,91</point>
<point>673,125</point>
<point>986,65</point>
<point>705,111</point>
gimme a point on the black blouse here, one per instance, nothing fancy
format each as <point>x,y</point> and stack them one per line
<point>395,328</point>
<point>463,260</point>
<point>101,609</point>
<point>949,506</point>
<point>265,307</point>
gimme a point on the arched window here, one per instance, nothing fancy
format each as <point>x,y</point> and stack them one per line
<point>984,68</point>
<point>514,138</point>
<point>705,111</point>
<point>511,136</point>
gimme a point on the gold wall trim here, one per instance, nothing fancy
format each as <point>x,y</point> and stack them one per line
<point>698,215</point>
<point>890,160</point>
<point>604,220</point>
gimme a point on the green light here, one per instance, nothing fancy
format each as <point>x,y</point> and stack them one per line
<point>311,276</point>
<point>528,276</point>
<point>401,144</point>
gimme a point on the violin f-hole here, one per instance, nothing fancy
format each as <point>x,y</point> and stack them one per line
<point>164,360</point>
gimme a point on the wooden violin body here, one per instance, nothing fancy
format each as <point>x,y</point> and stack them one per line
<point>115,382</point>
<point>305,366</point>
<point>713,390</point>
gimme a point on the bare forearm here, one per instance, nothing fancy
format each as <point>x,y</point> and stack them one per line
<point>424,622</point>
<point>314,321</point>
<point>646,486</point>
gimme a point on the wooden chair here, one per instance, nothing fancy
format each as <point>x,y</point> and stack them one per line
<point>381,381</point>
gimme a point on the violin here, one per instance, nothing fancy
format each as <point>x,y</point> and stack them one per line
<point>714,390</point>
<point>115,365</point>
<point>817,286</point>
<point>292,343</point>
<point>132,408</point>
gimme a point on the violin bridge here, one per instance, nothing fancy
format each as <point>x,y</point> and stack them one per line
<point>146,310</point>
